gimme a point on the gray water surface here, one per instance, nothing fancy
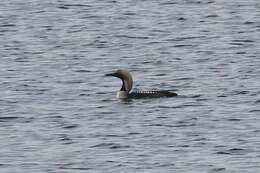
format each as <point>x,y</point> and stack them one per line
<point>58,112</point>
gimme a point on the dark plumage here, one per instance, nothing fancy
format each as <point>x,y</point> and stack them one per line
<point>127,83</point>
<point>151,94</point>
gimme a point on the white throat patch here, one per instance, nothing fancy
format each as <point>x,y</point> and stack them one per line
<point>121,94</point>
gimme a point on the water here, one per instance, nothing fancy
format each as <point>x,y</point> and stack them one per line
<point>58,113</point>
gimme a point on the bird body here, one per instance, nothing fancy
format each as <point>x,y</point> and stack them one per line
<point>127,84</point>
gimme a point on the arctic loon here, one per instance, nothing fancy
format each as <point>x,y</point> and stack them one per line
<point>127,84</point>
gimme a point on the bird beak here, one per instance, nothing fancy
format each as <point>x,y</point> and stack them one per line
<point>115,74</point>
<point>110,74</point>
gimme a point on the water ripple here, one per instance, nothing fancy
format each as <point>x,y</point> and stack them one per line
<point>59,112</point>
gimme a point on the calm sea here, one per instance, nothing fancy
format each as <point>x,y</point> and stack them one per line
<point>59,113</point>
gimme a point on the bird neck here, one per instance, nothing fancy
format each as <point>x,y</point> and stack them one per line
<point>123,86</point>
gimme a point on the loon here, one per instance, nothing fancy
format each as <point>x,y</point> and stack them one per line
<point>127,84</point>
